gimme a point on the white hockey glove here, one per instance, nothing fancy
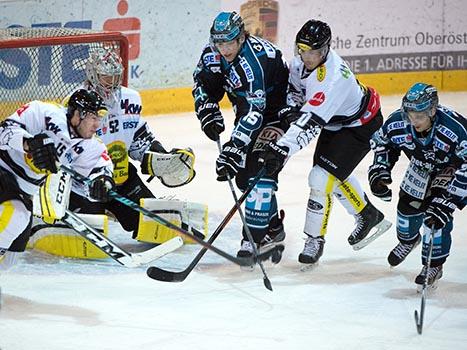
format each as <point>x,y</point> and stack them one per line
<point>174,168</point>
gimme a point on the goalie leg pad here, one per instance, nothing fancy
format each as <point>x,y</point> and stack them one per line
<point>15,225</point>
<point>61,240</point>
<point>182,214</point>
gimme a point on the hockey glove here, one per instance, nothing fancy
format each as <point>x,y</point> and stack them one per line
<point>99,188</point>
<point>439,212</point>
<point>288,115</point>
<point>273,158</point>
<point>229,161</point>
<point>174,168</point>
<point>42,150</point>
<point>212,122</point>
<point>379,177</point>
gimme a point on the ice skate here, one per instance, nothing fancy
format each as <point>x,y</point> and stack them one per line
<point>401,251</point>
<point>311,253</point>
<point>434,274</point>
<point>276,233</point>
<point>370,225</point>
<point>246,251</point>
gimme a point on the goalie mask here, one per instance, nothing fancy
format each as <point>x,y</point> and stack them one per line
<point>104,70</point>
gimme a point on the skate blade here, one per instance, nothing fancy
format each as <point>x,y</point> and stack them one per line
<point>382,227</point>
<point>308,267</point>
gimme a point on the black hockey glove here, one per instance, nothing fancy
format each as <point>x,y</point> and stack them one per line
<point>288,115</point>
<point>100,187</point>
<point>42,150</point>
<point>229,161</point>
<point>273,158</point>
<point>379,177</point>
<point>439,212</point>
<point>212,122</point>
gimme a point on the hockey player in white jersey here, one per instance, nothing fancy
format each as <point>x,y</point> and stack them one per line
<point>127,135</point>
<point>32,141</point>
<point>325,99</point>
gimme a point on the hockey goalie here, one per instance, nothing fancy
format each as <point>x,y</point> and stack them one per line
<point>58,231</point>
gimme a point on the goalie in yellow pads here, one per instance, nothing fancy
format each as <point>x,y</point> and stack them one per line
<point>126,136</point>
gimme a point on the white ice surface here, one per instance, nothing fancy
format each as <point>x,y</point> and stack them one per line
<point>352,300</point>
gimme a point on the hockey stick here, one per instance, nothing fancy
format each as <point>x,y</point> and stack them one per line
<point>112,249</point>
<point>179,276</point>
<point>114,195</point>
<point>266,281</point>
<point>419,320</point>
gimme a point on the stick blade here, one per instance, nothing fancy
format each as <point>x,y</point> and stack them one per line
<point>165,276</point>
<point>267,283</point>
<point>418,323</point>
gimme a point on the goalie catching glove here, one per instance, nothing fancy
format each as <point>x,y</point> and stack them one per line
<point>174,168</point>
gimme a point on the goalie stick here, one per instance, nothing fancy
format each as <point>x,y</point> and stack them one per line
<point>179,276</point>
<point>114,195</point>
<point>110,248</point>
<point>419,320</point>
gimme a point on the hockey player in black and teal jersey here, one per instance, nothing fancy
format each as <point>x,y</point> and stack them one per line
<point>434,139</point>
<point>253,74</point>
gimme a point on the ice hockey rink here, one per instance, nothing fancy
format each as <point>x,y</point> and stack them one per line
<point>352,300</point>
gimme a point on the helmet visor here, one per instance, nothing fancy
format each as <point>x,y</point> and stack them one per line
<point>306,51</point>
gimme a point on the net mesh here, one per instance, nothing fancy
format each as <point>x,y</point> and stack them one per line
<point>46,63</point>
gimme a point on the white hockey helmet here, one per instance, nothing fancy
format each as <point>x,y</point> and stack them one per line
<point>104,70</point>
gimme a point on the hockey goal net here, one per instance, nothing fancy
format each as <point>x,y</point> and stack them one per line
<point>48,63</point>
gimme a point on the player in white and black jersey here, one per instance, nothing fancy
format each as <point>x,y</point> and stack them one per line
<point>328,103</point>
<point>127,135</point>
<point>32,141</point>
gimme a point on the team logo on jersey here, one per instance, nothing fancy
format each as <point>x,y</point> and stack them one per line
<point>429,154</point>
<point>119,156</point>
<point>321,73</point>
<point>317,99</point>
<point>257,99</point>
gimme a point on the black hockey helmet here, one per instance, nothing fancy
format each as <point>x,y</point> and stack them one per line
<point>227,26</point>
<point>314,34</point>
<point>85,101</point>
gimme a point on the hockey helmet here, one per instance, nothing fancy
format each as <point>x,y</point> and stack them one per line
<point>86,101</point>
<point>104,70</point>
<point>313,35</point>
<point>227,26</point>
<point>420,97</point>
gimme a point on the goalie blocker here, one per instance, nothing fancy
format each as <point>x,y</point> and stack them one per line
<point>56,238</point>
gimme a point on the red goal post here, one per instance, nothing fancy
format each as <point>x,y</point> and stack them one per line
<point>49,63</point>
